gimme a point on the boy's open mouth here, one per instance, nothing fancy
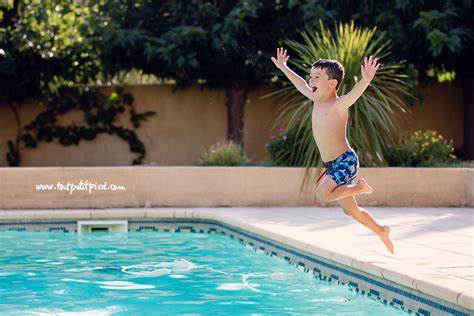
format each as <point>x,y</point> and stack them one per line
<point>314,89</point>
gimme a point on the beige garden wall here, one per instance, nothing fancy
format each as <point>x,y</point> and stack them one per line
<point>187,122</point>
<point>442,111</point>
<point>147,186</point>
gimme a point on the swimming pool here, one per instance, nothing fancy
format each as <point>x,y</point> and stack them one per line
<point>161,273</point>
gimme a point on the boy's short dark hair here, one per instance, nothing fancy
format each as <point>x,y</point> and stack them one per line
<point>333,68</point>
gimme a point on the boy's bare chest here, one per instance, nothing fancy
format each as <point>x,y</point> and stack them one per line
<point>324,111</point>
<point>328,117</point>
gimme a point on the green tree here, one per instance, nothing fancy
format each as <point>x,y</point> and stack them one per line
<point>45,45</point>
<point>50,52</point>
<point>219,44</point>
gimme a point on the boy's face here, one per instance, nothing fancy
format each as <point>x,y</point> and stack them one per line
<point>320,83</point>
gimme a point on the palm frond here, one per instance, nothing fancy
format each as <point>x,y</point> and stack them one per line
<point>374,119</point>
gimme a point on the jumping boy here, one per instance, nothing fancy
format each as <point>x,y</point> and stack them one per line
<point>329,122</point>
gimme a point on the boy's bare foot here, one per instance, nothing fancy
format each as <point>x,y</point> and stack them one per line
<point>386,239</point>
<point>364,187</point>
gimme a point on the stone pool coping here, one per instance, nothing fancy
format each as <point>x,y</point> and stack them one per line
<point>280,225</point>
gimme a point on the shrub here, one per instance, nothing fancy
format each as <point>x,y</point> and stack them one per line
<point>286,148</point>
<point>426,149</point>
<point>224,153</point>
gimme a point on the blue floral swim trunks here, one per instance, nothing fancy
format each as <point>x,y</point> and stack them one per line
<point>343,169</point>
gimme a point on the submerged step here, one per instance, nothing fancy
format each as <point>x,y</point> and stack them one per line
<point>86,227</point>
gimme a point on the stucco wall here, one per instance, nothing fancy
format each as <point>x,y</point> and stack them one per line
<point>442,111</point>
<point>187,122</point>
<point>223,186</point>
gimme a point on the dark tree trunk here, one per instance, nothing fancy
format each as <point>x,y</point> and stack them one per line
<point>235,99</point>
<point>14,150</point>
<point>468,100</point>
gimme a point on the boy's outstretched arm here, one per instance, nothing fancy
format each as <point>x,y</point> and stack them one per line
<point>298,82</point>
<point>368,70</point>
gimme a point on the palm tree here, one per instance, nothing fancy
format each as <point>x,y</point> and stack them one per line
<point>373,120</point>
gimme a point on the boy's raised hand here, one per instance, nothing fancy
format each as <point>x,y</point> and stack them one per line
<point>369,68</point>
<point>281,59</point>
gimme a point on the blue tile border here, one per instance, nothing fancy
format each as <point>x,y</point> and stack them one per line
<point>396,303</point>
<point>146,228</point>
<point>10,223</point>
<point>62,229</point>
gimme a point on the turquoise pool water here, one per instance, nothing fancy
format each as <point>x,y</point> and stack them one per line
<point>156,273</point>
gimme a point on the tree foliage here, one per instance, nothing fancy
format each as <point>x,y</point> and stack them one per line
<point>46,45</point>
<point>50,52</point>
<point>435,37</point>
<point>216,42</point>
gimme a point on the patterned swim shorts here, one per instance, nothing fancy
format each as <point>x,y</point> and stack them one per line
<point>343,169</point>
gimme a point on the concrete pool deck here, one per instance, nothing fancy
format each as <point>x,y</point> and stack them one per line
<point>434,247</point>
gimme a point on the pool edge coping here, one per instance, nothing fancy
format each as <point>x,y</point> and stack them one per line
<point>449,294</point>
<point>445,293</point>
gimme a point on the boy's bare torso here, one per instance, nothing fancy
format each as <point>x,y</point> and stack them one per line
<point>329,124</point>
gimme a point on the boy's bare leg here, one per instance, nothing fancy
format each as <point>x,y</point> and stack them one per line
<point>343,191</point>
<point>351,208</point>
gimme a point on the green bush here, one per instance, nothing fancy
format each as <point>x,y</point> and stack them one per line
<point>224,153</point>
<point>427,149</point>
<point>286,148</point>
